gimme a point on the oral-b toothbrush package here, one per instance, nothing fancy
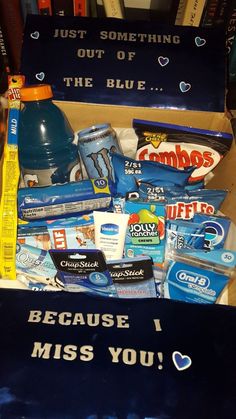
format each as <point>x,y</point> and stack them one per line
<point>216,230</point>
<point>198,276</point>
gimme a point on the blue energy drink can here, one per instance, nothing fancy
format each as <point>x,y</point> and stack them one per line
<point>95,144</point>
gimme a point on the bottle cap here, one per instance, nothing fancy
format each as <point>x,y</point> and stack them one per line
<point>36,92</point>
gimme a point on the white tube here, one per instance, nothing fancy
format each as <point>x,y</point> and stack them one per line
<point>110,231</point>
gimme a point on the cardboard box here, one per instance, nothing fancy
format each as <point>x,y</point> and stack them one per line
<point>63,51</point>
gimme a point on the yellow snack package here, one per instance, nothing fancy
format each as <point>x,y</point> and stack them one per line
<point>10,180</point>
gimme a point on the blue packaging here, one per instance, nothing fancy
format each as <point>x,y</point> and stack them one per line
<point>184,234</point>
<point>75,198</point>
<point>72,232</point>
<point>183,204</point>
<point>223,257</point>
<point>34,285</point>
<point>133,278</point>
<point>130,173</point>
<point>36,236</point>
<point>47,153</point>
<point>83,270</point>
<point>95,144</point>
<point>196,277</point>
<point>36,263</point>
<point>216,230</point>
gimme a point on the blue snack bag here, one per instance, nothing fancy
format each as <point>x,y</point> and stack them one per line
<point>130,173</point>
<point>184,206</point>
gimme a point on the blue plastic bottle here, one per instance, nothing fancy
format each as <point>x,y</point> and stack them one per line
<point>47,154</point>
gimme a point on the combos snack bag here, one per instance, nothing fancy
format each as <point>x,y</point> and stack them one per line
<point>181,146</point>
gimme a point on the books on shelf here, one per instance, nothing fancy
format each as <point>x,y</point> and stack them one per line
<point>29,7</point>
<point>4,64</point>
<point>209,13</point>
<point>45,7</point>
<point>81,7</point>
<point>114,8</point>
<point>63,7</point>
<point>11,22</point>
<point>192,12</point>
<point>161,11</point>
<point>231,27</point>
<point>180,12</point>
<point>222,12</point>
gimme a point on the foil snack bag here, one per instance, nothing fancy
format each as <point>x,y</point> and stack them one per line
<point>181,146</point>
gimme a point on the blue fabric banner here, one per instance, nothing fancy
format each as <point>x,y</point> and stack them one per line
<point>122,62</point>
<point>67,355</point>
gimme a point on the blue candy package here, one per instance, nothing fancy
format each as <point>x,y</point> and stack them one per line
<point>130,173</point>
<point>75,198</point>
<point>146,229</point>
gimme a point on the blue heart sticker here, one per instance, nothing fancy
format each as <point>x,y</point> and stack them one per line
<point>184,87</point>
<point>163,61</point>
<point>199,41</point>
<point>40,76</point>
<point>34,35</point>
<point>181,362</point>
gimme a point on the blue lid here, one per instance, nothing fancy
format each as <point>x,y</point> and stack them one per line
<point>123,62</point>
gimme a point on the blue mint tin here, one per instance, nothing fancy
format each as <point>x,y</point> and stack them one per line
<point>95,144</point>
